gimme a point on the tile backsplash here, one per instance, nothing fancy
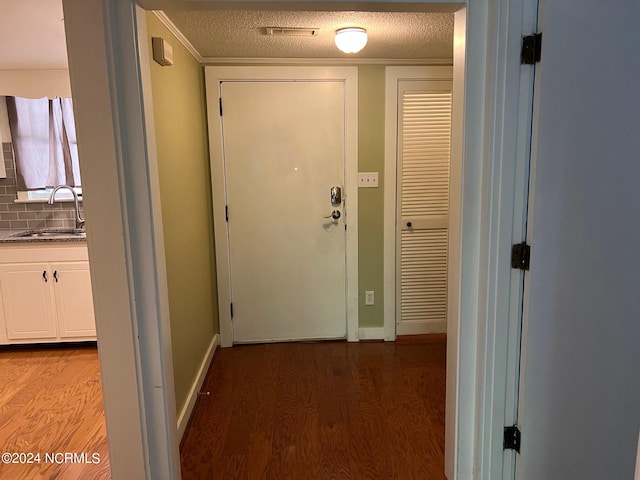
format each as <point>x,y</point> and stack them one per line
<point>19,216</point>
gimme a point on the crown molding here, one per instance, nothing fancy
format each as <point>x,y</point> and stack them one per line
<point>326,61</point>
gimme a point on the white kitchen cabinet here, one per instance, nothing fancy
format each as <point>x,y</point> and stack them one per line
<point>45,293</point>
<point>74,301</point>
<point>28,301</point>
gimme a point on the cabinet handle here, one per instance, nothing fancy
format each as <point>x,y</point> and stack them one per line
<point>55,275</point>
<point>44,275</point>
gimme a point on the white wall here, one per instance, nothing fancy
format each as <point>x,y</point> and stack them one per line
<point>35,83</point>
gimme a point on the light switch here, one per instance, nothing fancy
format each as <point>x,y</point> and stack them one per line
<point>367,179</point>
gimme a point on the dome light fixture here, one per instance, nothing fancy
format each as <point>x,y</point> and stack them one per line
<point>351,40</point>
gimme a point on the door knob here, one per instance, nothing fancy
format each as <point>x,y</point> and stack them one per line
<point>335,215</point>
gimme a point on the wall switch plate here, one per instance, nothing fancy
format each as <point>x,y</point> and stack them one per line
<point>369,297</point>
<point>367,179</point>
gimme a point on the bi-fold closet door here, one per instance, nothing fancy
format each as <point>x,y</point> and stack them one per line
<point>422,173</point>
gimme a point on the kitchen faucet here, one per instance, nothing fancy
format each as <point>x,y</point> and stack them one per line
<point>79,219</point>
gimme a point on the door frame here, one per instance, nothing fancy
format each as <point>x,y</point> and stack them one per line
<point>347,75</point>
<point>110,73</point>
<point>125,207</point>
<point>393,76</point>
<point>505,224</point>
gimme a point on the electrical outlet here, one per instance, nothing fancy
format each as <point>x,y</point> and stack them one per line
<point>368,180</point>
<point>369,297</point>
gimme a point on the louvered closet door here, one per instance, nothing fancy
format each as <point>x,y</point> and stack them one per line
<point>424,135</point>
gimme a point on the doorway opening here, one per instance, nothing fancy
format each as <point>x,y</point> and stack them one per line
<point>378,331</point>
<point>141,186</point>
<point>52,395</point>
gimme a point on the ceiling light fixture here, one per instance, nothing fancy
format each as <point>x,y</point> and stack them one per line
<point>351,40</point>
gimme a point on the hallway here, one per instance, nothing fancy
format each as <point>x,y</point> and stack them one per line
<point>332,410</point>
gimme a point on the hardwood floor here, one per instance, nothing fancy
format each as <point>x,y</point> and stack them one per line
<point>51,403</point>
<point>331,410</point>
<point>282,411</point>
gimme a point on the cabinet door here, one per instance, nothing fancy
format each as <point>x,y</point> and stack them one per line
<point>28,301</point>
<point>74,300</point>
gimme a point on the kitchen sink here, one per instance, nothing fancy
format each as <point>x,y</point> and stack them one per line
<point>51,233</point>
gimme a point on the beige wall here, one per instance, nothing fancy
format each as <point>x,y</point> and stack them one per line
<point>185,189</point>
<point>370,200</point>
<point>173,95</point>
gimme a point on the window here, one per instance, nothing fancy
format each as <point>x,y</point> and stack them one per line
<point>45,146</point>
<point>43,194</point>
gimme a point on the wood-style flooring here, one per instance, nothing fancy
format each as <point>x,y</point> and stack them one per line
<point>334,410</point>
<point>51,402</point>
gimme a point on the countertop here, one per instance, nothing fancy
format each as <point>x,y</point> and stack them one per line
<point>14,236</point>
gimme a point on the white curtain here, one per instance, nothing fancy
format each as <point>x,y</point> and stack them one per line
<point>44,142</point>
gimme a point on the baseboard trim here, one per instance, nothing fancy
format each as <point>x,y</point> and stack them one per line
<point>422,328</point>
<point>187,410</point>
<point>371,333</point>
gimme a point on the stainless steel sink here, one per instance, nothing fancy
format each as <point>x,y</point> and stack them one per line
<point>51,233</point>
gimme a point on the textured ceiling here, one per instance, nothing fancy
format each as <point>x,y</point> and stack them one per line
<point>32,34</point>
<point>240,34</point>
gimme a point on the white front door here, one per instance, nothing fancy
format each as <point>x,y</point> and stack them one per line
<point>284,150</point>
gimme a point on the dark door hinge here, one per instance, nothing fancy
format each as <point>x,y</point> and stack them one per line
<point>231,310</point>
<point>520,256</point>
<point>511,438</point>
<point>226,213</point>
<point>220,104</point>
<point>531,49</point>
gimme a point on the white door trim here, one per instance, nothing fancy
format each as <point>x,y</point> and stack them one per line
<point>393,75</point>
<point>125,239</point>
<point>348,75</point>
<point>480,46</point>
<point>506,185</point>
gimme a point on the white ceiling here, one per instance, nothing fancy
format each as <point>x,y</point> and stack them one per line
<point>32,34</point>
